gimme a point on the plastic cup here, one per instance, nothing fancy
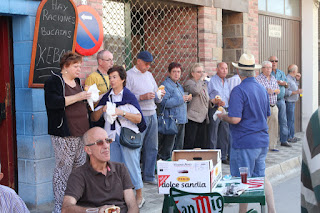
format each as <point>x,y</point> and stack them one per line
<point>244,174</point>
<point>92,210</point>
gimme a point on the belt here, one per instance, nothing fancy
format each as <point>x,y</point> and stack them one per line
<point>272,105</point>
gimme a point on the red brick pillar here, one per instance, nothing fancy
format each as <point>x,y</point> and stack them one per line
<point>251,24</point>
<point>210,37</point>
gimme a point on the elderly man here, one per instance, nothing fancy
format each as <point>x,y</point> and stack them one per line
<point>100,78</point>
<point>269,82</point>
<point>9,200</point>
<point>282,117</point>
<point>99,182</point>
<point>219,130</point>
<point>291,97</point>
<point>142,84</point>
<point>248,112</point>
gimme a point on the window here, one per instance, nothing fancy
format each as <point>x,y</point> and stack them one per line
<point>282,7</point>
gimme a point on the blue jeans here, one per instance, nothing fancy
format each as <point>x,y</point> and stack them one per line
<point>254,159</point>
<point>282,119</point>
<point>290,118</point>
<point>218,133</point>
<point>130,157</point>
<point>150,148</point>
<point>168,143</point>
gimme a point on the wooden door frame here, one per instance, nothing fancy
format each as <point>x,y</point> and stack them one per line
<point>8,144</point>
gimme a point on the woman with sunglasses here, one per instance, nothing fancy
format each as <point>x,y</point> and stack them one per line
<point>129,115</point>
<point>67,121</point>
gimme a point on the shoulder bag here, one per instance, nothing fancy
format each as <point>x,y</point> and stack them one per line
<point>167,125</point>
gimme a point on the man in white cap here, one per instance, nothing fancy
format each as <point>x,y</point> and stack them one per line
<point>248,112</point>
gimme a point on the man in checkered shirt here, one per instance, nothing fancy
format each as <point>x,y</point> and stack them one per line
<point>269,82</point>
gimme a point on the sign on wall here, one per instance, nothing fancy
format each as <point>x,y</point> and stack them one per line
<point>54,34</point>
<point>275,31</point>
<point>90,31</point>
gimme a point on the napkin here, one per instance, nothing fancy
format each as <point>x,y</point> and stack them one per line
<point>215,115</point>
<point>159,93</point>
<point>110,113</point>
<point>94,95</point>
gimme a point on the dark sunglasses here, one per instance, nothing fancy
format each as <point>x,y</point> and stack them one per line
<point>100,142</point>
<point>274,61</point>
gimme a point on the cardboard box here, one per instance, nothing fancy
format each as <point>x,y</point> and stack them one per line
<point>190,170</point>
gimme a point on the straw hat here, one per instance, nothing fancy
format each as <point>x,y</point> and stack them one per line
<point>246,62</point>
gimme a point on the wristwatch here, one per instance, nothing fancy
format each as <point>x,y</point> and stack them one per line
<point>124,114</point>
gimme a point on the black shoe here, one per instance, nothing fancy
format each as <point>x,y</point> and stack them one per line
<point>225,162</point>
<point>286,144</point>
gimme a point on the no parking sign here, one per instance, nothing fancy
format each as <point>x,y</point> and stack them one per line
<point>90,31</point>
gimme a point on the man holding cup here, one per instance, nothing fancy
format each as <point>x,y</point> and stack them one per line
<point>248,112</point>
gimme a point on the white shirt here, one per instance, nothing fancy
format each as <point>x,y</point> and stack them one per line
<point>124,122</point>
<point>233,82</point>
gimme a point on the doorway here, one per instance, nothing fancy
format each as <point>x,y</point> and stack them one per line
<point>7,108</point>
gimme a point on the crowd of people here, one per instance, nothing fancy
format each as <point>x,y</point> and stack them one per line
<point>96,163</point>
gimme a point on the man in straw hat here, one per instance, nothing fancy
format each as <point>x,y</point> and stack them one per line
<point>248,112</point>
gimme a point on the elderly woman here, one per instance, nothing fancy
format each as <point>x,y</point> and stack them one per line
<point>67,121</point>
<point>197,112</point>
<point>129,115</point>
<point>173,104</point>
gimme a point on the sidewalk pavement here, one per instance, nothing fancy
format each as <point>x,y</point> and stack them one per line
<point>279,165</point>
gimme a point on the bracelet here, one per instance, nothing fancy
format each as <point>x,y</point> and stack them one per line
<point>124,114</point>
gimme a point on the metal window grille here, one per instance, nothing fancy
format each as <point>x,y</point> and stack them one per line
<point>166,29</point>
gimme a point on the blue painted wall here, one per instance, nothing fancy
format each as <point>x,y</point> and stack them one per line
<point>35,153</point>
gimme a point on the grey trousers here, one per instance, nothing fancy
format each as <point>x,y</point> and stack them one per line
<point>218,134</point>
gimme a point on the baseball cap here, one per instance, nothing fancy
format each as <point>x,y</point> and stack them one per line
<point>145,56</point>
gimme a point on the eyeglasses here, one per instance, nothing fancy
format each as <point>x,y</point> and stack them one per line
<point>200,72</point>
<point>106,59</point>
<point>267,67</point>
<point>274,61</point>
<point>100,142</point>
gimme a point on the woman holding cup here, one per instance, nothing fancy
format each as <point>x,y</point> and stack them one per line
<point>173,104</point>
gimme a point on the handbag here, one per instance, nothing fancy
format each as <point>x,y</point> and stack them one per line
<point>167,125</point>
<point>129,138</point>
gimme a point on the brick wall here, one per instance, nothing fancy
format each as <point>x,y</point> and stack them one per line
<point>210,37</point>
<point>251,32</point>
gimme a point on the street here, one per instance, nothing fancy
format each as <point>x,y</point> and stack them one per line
<point>286,196</point>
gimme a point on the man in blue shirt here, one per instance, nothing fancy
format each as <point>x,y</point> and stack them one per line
<point>248,112</point>
<point>282,117</point>
<point>291,97</point>
<point>219,130</point>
